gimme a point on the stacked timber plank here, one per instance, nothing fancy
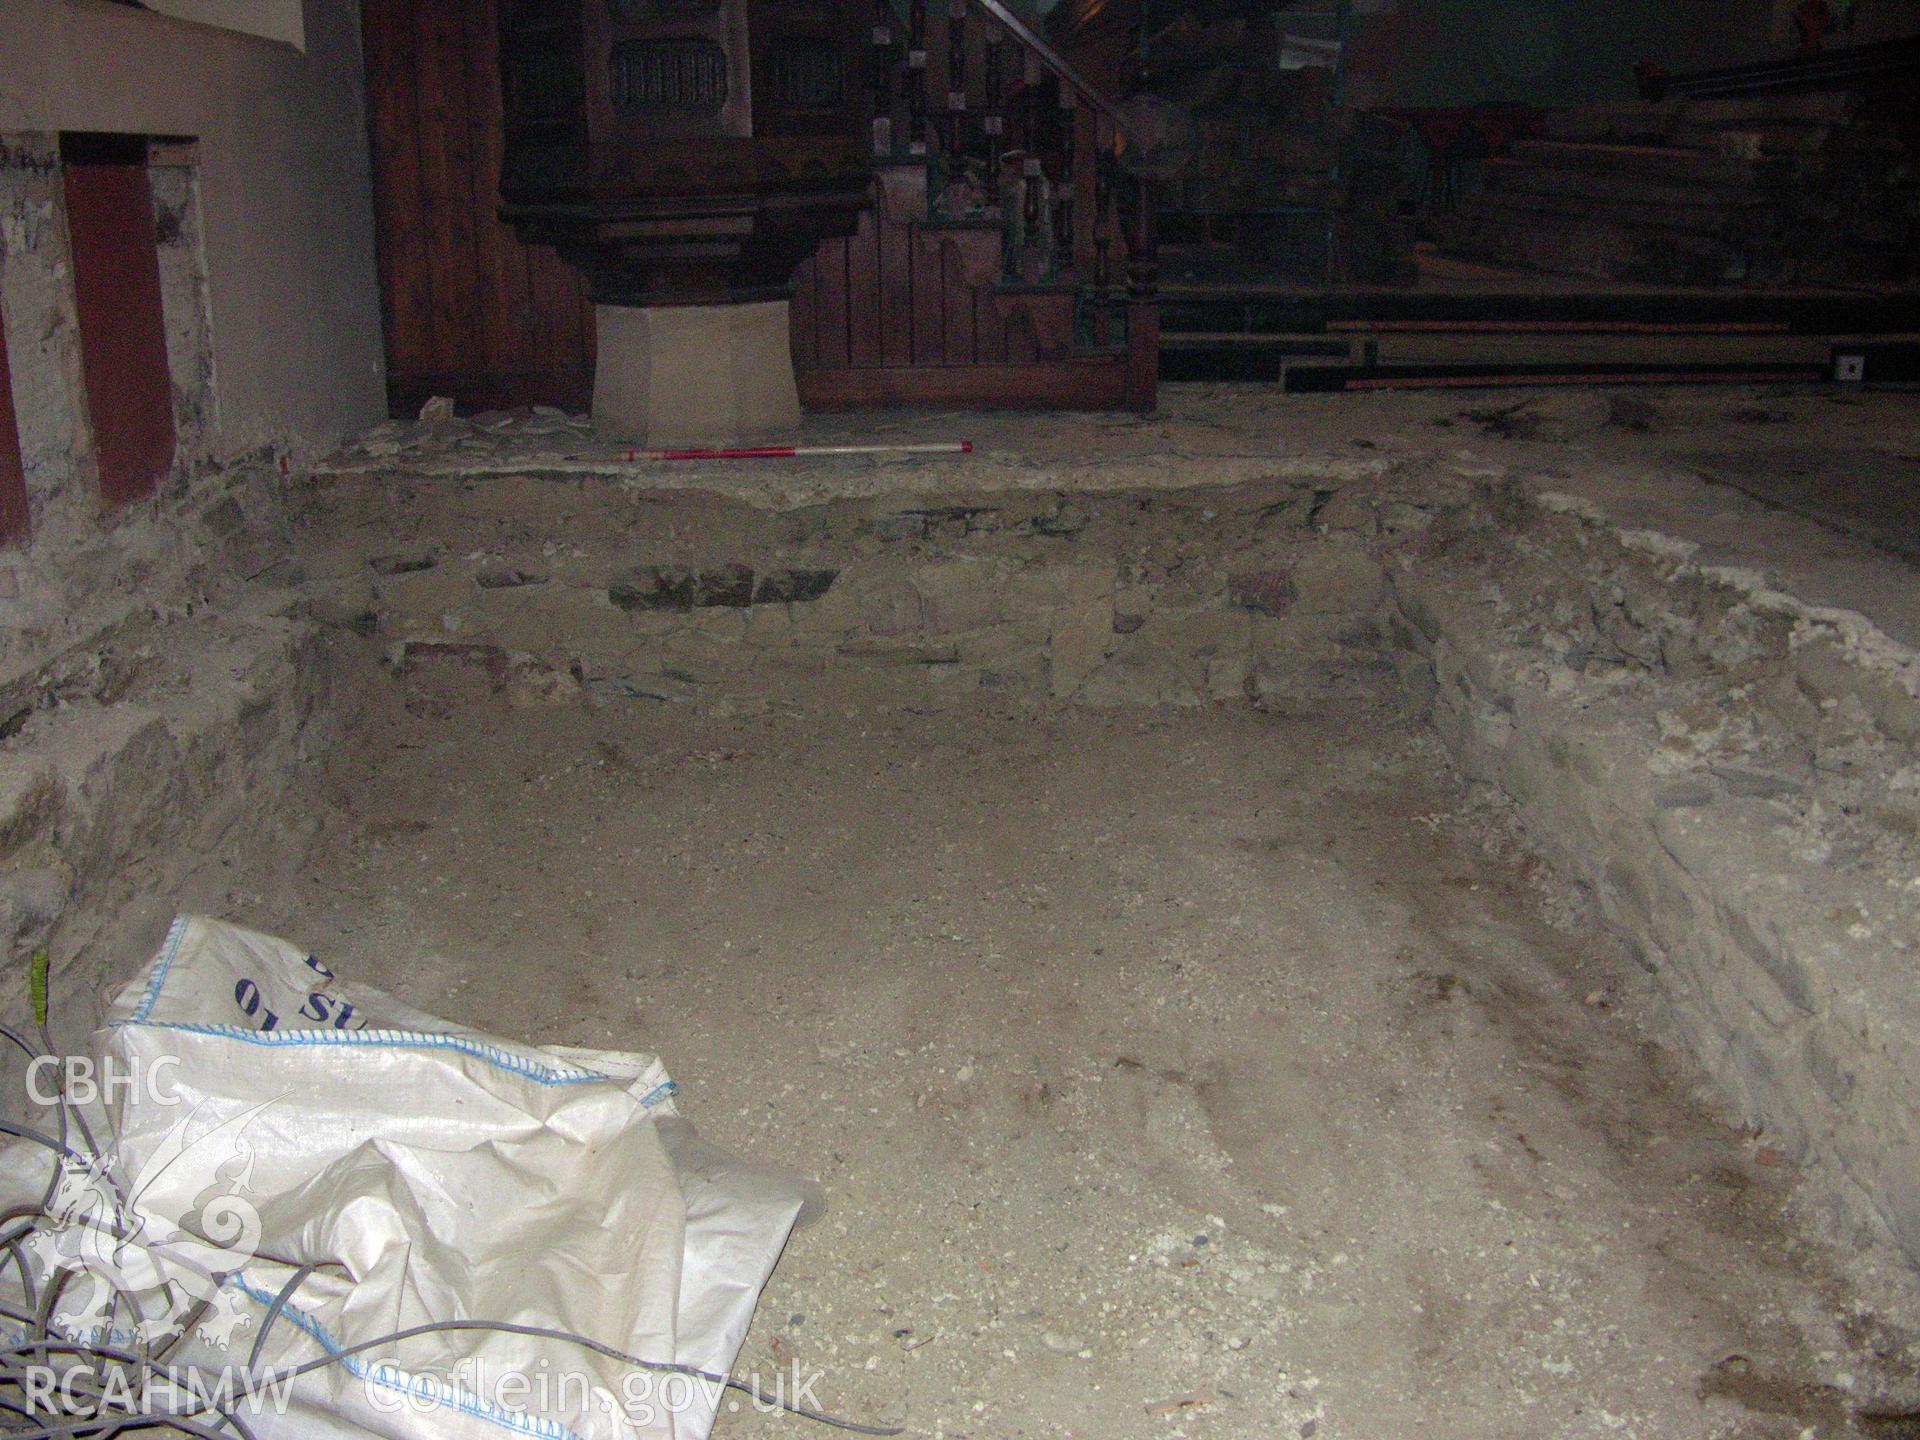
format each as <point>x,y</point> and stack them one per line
<point>1298,185</point>
<point>1808,188</point>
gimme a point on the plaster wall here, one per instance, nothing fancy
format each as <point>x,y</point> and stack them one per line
<point>285,193</point>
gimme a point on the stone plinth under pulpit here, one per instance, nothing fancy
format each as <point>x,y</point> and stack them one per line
<point>686,156</point>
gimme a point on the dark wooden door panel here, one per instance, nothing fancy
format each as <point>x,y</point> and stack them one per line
<point>13,476</point>
<point>906,310</point>
<point>123,331</point>
<point>470,312</point>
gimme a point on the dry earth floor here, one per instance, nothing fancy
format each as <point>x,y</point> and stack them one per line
<point>1213,1074</point>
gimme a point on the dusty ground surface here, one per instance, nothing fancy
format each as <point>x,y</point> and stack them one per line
<point>1222,1057</point>
<point>1151,1057</point>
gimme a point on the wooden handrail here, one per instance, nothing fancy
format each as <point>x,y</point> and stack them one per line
<point>1830,68</point>
<point>1034,154</point>
<point>1052,59</point>
<point>1045,162</point>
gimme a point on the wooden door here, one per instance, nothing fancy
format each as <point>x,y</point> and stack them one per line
<point>116,290</point>
<point>470,312</point>
<point>908,311</point>
<point>123,331</point>
<point>13,476</point>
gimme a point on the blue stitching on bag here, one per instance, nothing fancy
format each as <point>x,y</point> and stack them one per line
<point>665,1090</point>
<point>169,952</point>
<point>387,1376</point>
<point>385,1039</point>
<point>416,1040</point>
<point>392,1377</point>
<point>391,1040</point>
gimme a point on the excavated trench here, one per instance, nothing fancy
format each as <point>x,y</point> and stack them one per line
<point>1344,954</point>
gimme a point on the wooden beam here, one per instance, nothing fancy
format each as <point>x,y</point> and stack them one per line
<point>1100,384</point>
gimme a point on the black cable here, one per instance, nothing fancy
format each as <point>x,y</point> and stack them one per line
<point>42,1319</point>
<point>33,1054</point>
<point>294,1282</point>
<point>118,1234</point>
<point>536,1332</point>
<point>58,1147</point>
<point>104,1427</point>
<point>79,1118</point>
<point>191,1392</point>
<point>28,1286</point>
<point>541,1332</point>
<point>187,1382</point>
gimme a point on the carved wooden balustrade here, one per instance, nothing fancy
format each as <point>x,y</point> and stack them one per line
<point>1007,238</point>
<point>989,249</point>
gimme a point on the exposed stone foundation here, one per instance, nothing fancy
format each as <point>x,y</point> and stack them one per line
<point>1733,775</point>
<point>1132,598</point>
<point>162,692</point>
<point>1730,772</point>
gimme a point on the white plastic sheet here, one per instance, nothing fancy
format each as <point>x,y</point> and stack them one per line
<point>270,1115</point>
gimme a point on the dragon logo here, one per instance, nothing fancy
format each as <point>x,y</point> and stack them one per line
<point>136,1271</point>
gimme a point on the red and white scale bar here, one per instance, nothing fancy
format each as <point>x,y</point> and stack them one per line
<point>778,452</point>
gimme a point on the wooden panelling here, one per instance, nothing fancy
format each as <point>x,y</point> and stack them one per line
<point>903,197</point>
<point>470,311</point>
<point>501,278</point>
<point>929,301</point>
<point>13,477</point>
<point>803,324</point>
<point>406,277</point>
<point>866,311</point>
<point>123,331</point>
<point>832,307</point>
<point>1023,347</point>
<point>956,300</point>
<point>903,312</point>
<point>1091,384</point>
